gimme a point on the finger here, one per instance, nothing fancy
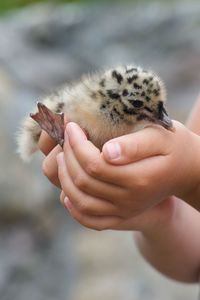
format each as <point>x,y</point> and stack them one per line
<point>92,222</point>
<point>93,163</point>
<point>90,158</point>
<point>97,208</point>
<point>62,197</point>
<point>151,141</point>
<point>88,184</point>
<point>84,203</point>
<point>50,167</point>
<point>46,143</point>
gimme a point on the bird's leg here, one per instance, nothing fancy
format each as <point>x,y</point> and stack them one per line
<point>52,123</point>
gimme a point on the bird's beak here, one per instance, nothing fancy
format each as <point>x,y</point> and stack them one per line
<point>164,119</point>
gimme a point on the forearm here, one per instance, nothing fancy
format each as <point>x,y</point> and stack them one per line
<point>173,247</point>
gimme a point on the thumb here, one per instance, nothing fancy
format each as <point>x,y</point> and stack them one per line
<point>145,143</point>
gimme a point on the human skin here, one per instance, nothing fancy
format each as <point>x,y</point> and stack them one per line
<point>100,191</point>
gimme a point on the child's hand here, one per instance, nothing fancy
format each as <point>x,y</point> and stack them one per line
<point>152,217</point>
<point>168,156</point>
<point>126,192</point>
<point>153,164</point>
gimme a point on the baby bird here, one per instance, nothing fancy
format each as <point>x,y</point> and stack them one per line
<point>106,104</point>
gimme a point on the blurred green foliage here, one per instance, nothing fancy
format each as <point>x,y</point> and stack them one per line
<point>6,5</point>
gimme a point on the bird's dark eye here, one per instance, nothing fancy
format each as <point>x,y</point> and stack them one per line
<point>137,103</point>
<point>125,92</point>
<point>112,94</point>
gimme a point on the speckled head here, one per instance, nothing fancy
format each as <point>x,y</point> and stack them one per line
<point>131,94</point>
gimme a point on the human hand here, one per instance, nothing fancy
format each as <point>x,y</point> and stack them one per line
<point>158,149</point>
<point>155,216</point>
<point>156,167</point>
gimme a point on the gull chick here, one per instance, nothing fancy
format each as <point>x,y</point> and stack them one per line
<point>106,104</point>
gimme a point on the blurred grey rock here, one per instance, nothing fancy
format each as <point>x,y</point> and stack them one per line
<point>37,259</point>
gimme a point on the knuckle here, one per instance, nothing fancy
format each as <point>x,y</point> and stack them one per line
<point>93,167</point>
<point>139,183</point>
<point>142,182</point>
<point>84,207</point>
<point>80,181</point>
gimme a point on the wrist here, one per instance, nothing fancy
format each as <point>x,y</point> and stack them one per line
<point>189,189</point>
<point>162,217</point>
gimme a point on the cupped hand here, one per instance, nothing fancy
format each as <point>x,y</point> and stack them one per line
<point>132,174</point>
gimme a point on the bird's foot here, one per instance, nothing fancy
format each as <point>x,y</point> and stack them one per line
<point>52,123</point>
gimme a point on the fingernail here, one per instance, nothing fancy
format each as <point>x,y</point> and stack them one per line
<point>60,159</point>
<point>69,130</point>
<point>113,150</point>
<point>73,130</point>
<point>67,202</point>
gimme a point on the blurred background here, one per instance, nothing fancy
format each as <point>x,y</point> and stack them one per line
<point>44,254</point>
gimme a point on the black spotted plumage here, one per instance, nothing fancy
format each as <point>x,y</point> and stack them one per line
<point>132,78</point>
<point>117,76</point>
<point>137,86</point>
<point>131,70</point>
<point>112,94</point>
<point>129,111</point>
<point>156,92</point>
<point>148,98</point>
<point>146,81</point>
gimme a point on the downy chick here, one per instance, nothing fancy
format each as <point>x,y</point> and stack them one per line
<point>106,104</point>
